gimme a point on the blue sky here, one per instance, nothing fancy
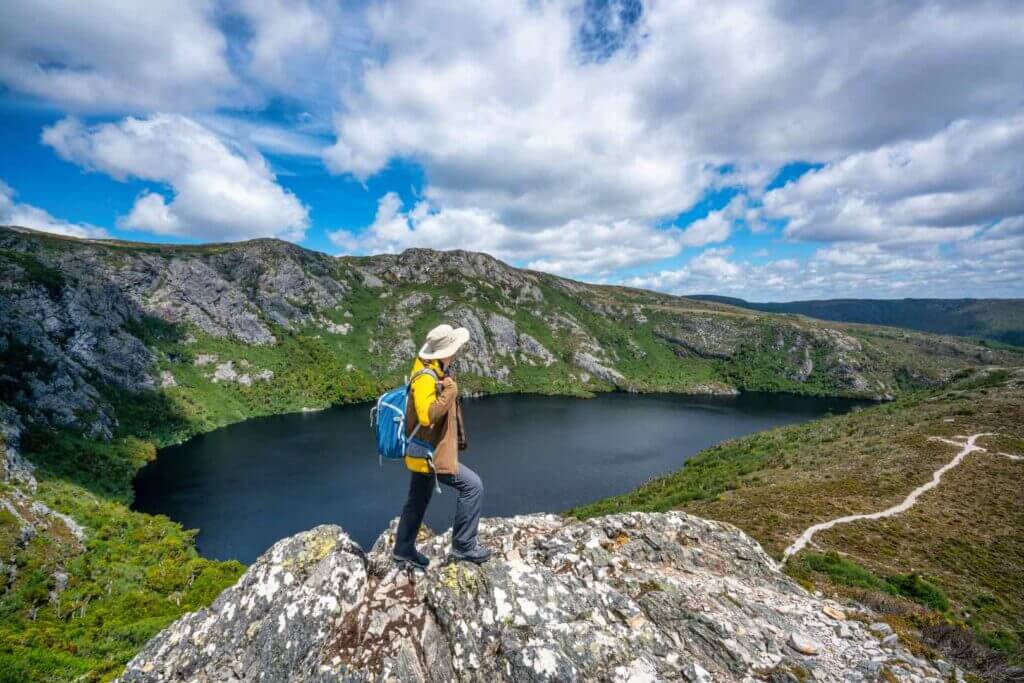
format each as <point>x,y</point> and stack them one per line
<point>750,149</point>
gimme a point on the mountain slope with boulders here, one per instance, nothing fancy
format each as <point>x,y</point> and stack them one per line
<point>216,333</point>
<point>110,350</point>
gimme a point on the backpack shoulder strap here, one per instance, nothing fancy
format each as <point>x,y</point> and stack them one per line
<point>424,371</point>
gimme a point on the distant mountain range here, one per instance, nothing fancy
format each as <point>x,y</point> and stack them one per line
<point>997,319</point>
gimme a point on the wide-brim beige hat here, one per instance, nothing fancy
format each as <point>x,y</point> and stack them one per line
<point>443,341</point>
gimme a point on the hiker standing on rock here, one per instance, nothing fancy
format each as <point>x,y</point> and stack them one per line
<point>436,435</point>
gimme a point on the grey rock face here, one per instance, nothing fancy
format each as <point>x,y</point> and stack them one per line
<point>478,356</point>
<point>69,340</point>
<point>532,347</point>
<point>16,469</point>
<point>272,624</point>
<point>84,333</point>
<point>708,336</point>
<point>425,266</point>
<point>31,517</point>
<point>503,334</point>
<point>192,291</point>
<point>588,363</point>
<point>621,598</point>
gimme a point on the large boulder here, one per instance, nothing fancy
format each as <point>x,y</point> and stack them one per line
<point>630,597</point>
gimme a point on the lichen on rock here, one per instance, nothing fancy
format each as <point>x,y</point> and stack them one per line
<point>626,597</point>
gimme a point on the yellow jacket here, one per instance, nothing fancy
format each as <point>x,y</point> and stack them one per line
<point>424,388</point>
<point>437,417</point>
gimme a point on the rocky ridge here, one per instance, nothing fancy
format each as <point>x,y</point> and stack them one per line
<point>79,317</point>
<point>629,597</point>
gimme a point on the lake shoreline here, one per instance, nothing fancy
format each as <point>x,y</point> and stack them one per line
<point>323,461</point>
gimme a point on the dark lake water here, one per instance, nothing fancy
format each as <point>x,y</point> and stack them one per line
<point>250,484</point>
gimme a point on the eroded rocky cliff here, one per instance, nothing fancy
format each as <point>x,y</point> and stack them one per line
<point>630,597</point>
<point>266,326</point>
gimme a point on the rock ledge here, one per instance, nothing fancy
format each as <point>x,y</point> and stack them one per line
<point>630,597</point>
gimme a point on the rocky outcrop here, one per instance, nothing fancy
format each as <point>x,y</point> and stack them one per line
<point>592,366</point>
<point>27,517</point>
<point>426,266</point>
<point>16,470</point>
<point>631,597</point>
<point>63,342</point>
<point>708,336</point>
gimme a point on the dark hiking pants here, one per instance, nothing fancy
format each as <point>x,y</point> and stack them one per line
<point>467,509</point>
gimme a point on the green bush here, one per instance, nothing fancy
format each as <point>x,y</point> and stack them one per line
<point>919,590</point>
<point>845,572</point>
<point>842,571</point>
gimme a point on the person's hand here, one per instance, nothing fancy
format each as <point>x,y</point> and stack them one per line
<point>449,383</point>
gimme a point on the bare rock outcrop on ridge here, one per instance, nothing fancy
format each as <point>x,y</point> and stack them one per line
<point>629,597</point>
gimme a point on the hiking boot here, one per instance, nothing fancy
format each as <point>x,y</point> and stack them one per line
<point>477,555</point>
<point>417,560</point>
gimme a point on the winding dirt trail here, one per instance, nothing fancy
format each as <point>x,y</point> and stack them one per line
<point>966,447</point>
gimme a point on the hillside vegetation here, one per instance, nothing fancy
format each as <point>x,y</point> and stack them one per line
<point>111,350</point>
<point>212,334</point>
<point>956,558</point>
<point>1000,320</point>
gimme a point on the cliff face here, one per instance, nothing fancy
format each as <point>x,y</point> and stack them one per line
<point>630,597</point>
<point>251,325</point>
<point>25,517</point>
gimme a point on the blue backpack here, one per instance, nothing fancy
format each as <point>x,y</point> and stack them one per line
<point>388,416</point>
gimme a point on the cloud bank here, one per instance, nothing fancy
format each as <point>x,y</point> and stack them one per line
<point>573,136</point>
<point>219,192</point>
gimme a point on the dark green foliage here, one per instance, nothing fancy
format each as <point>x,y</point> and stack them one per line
<point>152,330</point>
<point>973,379</point>
<point>846,572</point>
<point>137,574</point>
<point>35,271</point>
<point>105,469</point>
<point>18,361</point>
<point>919,590</point>
<point>841,570</point>
<point>759,366</point>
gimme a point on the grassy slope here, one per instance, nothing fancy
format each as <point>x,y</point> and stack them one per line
<point>136,574</point>
<point>964,538</point>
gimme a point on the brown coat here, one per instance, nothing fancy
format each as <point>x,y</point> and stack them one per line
<point>444,418</point>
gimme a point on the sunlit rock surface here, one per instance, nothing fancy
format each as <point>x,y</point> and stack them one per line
<point>631,597</point>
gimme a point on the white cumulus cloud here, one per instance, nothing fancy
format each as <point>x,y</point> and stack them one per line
<point>564,134</point>
<point>554,122</point>
<point>219,192</point>
<point>28,216</point>
<point>506,114</point>
<point>941,188</point>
